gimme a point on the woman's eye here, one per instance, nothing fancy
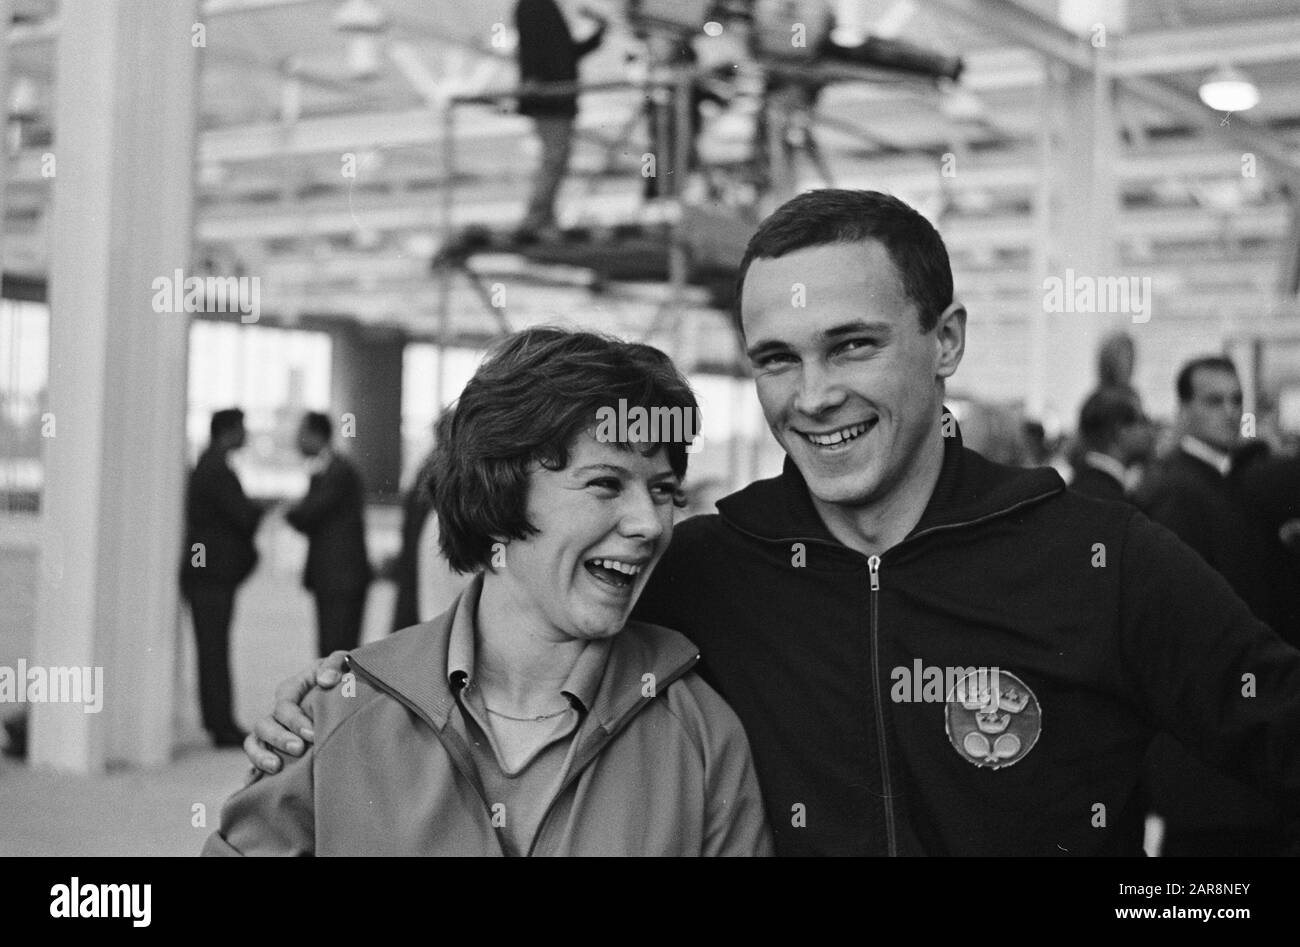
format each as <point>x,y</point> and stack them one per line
<point>665,492</point>
<point>605,483</point>
<point>775,361</point>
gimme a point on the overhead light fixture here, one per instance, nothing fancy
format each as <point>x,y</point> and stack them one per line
<point>959,104</point>
<point>1229,90</point>
<point>421,245</point>
<point>363,56</point>
<point>359,16</point>
<point>211,175</point>
<point>362,22</point>
<point>24,99</point>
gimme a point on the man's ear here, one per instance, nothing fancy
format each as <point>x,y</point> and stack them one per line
<point>950,336</point>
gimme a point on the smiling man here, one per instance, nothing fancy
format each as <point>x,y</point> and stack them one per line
<point>886,545</point>
<point>870,455</point>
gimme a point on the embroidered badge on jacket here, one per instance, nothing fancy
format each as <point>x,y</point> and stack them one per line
<point>992,718</point>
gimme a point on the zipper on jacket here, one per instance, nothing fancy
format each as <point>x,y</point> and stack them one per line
<point>461,760</point>
<point>891,833</point>
<point>581,760</point>
<point>873,570</point>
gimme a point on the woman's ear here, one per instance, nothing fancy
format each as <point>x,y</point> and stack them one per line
<point>950,335</point>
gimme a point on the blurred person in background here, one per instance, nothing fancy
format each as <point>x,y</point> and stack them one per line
<point>220,523</point>
<point>1272,490</point>
<point>1195,489</point>
<point>1113,434</point>
<point>1196,492</point>
<point>547,53</point>
<point>426,584</point>
<point>332,517</point>
<point>16,736</point>
<point>403,568</point>
<point>1116,361</point>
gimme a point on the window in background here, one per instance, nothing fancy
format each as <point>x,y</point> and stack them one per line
<point>420,388</point>
<point>24,378</point>
<point>273,375</point>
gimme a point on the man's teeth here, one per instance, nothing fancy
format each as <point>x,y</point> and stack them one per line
<point>626,568</point>
<point>835,437</point>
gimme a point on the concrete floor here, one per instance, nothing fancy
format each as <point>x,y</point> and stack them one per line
<point>153,812</point>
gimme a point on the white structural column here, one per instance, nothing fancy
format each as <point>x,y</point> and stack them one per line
<point>6,14</point>
<point>122,217</point>
<point>1078,205</point>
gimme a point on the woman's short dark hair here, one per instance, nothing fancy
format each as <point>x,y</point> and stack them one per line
<point>839,215</point>
<point>535,392</point>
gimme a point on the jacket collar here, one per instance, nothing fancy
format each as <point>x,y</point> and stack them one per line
<point>1104,463</point>
<point>318,464</point>
<point>1218,461</point>
<point>970,489</point>
<point>412,665</point>
<point>581,684</point>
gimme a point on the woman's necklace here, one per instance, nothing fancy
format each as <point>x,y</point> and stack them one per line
<point>497,713</point>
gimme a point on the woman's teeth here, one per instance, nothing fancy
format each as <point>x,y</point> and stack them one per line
<point>837,437</point>
<point>626,568</point>
<point>613,572</point>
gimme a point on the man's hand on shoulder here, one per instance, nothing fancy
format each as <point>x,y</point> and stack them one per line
<point>287,729</point>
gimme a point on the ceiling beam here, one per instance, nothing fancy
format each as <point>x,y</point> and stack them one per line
<point>336,134</point>
<point>330,216</point>
<point>1187,48</point>
<point>1007,19</point>
<point>235,7</point>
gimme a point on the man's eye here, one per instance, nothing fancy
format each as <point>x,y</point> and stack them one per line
<point>606,483</point>
<point>776,360</point>
<point>858,344</point>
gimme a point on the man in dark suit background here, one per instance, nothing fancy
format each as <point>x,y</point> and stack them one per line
<point>417,507</point>
<point>1113,433</point>
<point>331,516</point>
<point>1271,486</point>
<point>1196,492</point>
<point>219,554</point>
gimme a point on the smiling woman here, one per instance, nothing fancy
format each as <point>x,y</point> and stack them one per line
<point>533,717</point>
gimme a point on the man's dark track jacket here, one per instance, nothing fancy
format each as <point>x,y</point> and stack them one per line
<point>1114,626</point>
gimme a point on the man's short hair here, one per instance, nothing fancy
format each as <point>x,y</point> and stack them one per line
<point>1105,413</point>
<point>1218,363</point>
<point>318,424</point>
<point>838,215</point>
<point>536,391</point>
<point>227,419</point>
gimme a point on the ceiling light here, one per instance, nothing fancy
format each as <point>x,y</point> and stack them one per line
<point>359,16</point>
<point>366,238</point>
<point>421,245</point>
<point>959,104</point>
<point>1229,90</point>
<point>363,56</point>
<point>24,99</point>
